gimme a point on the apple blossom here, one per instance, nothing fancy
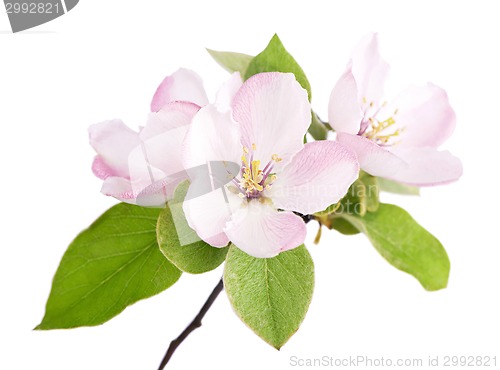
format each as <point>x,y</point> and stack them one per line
<point>139,164</point>
<point>186,85</point>
<point>279,174</point>
<point>399,140</point>
<point>144,167</point>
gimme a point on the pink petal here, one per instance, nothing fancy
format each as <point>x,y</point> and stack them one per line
<point>316,177</point>
<point>155,166</point>
<point>149,184</point>
<point>344,109</point>
<point>182,85</point>
<point>227,91</point>
<point>261,231</point>
<point>101,169</point>
<point>207,215</point>
<point>119,188</point>
<point>164,134</point>
<point>123,190</point>
<point>427,167</point>
<point>113,141</point>
<point>372,158</point>
<point>369,70</point>
<point>212,136</point>
<point>425,115</point>
<point>274,113</point>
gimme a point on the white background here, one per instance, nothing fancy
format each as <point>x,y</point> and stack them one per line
<point>104,60</point>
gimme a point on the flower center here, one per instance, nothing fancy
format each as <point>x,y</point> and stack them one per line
<point>254,180</point>
<point>382,132</point>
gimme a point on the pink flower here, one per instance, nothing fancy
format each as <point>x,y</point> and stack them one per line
<point>145,167</point>
<point>186,85</point>
<point>142,167</point>
<point>399,140</point>
<point>279,174</point>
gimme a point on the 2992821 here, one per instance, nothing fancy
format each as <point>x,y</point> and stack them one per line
<point>472,361</point>
<point>33,8</point>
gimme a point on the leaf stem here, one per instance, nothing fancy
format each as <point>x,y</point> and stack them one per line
<point>196,323</point>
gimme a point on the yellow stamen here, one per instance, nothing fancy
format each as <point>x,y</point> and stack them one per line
<point>276,158</point>
<point>244,160</point>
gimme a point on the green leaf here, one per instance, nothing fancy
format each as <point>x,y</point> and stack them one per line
<point>109,266</point>
<point>341,225</point>
<point>328,210</point>
<point>270,295</point>
<point>317,129</point>
<point>192,255</point>
<point>231,62</point>
<point>390,186</point>
<point>405,244</point>
<point>275,58</point>
<point>371,191</point>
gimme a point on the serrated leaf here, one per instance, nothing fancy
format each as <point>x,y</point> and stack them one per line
<point>270,295</point>
<point>275,58</point>
<point>180,244</point>
<point>230,61</point>
<point>109,266</point>
<point>405,244</point>
<point>390,186</point>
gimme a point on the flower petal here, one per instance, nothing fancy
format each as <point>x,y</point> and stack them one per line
<point>182,85</point>
<point>316,177</point>
<point>207,214</point>
<point>369,70</point>
<point>274,113</point>
<point>164,133</point>
<point>119,188</point>
<point>149,184</point>
<point>344,109</point>
<point>101,169</point>
<point>425,115</point>
<point>213,136</point>
<point>372,158</point>
<point>261,231</point>
<point>113,141</point>
<point>227,91</point>
<point>428,167</point>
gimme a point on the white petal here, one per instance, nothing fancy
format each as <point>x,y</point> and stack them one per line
<point>316,177</point>
<point>372,158</point>
<point>207,214</point>
<point>344,109</point>
<point>369,69</point>
<point>425,115</point>
<point>113,141</point>
<point>164,134</point>
<point>182,85</point>
<point>227,91</point>
<point>428,167</point>
<point>261,231</point>
<point>212,137</point>
<point>274,113</point>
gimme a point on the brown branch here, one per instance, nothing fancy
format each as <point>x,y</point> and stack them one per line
<point>196,323</point>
